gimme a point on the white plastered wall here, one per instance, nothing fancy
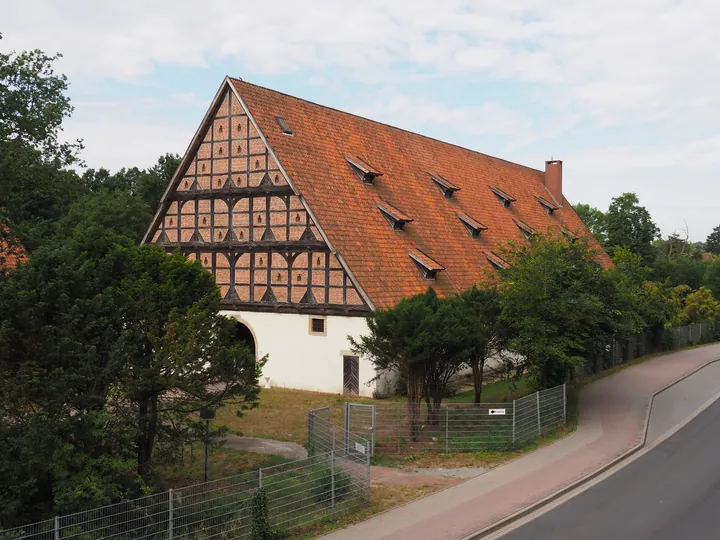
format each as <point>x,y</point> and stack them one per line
<point>299,359</point>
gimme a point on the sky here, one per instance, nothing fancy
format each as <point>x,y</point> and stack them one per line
<point>626,93</point>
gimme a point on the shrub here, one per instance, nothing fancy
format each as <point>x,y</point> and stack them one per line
<point>259,523</point>
<point>323,485</point>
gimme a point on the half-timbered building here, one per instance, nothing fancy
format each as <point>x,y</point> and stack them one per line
<point>309,217</point>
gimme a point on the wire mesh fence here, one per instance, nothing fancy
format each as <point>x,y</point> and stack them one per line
<point>330,482</point>
<point>621,351</point>
<point>406,428</point>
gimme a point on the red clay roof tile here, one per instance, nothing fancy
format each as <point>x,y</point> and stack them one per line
<point>314,159</point>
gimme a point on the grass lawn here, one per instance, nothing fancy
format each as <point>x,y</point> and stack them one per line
<point>282,413</point>
<point>222,462</point>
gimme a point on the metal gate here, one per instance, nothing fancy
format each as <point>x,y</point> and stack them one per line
<point>360,421</point>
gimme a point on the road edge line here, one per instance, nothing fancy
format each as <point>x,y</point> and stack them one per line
<point>504,522</point>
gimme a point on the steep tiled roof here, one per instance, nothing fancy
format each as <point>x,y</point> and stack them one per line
<point>11,252</point>
<point>315,159</point>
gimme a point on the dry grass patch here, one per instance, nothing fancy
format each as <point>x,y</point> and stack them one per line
<point>382,498</point>
<point>222,462</point>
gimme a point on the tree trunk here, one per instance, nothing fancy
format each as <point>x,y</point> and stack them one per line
<point>413,395</point>
<point>148,420</point>
<point>478,372</point>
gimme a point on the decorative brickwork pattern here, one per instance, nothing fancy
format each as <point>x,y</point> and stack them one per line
<point>232,209</point>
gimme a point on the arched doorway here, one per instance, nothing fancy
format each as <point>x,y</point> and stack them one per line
<point>244,335</point>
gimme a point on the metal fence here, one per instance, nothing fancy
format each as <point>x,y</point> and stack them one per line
<point>621,351</point>
<point>330,482</point>
<point>404,428</point>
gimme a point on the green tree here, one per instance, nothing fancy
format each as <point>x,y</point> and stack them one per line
<point>630,225</point>
<point>36,185</point>
<point>699,306</point>
<point>425,339</point>
<point>594,219</point>
<point>488,334</point>
<point>712,244</point>
<point>555,300</point>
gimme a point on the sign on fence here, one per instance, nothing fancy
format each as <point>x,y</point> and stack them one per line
<point>494,412</point>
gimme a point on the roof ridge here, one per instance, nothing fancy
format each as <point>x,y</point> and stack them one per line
<point>241,81</point>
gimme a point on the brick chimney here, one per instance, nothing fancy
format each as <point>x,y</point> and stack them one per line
<point>553,179</point>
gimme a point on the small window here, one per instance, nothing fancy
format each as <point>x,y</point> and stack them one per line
<point>317,326</point>
<point>284,125</point>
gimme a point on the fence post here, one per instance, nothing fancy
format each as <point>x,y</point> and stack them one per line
<point>513,427</point>
<point>170,514</point>
<point>447,440</point>
<point>260,477</point>
<point>565,404</point>
<point>332,484</point>
<point>373,431</point>
<point>347,428</point>
<point>333,438</point>
<point>367,465</point>
<point>311,427</point>
<point>537,395</point>
<point>57,528</point>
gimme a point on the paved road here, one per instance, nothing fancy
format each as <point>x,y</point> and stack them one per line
<point>670,493</point>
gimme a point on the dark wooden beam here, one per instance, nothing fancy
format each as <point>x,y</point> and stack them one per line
<point>230,192</point>
<point>309,309</point>
<point>246,247</point>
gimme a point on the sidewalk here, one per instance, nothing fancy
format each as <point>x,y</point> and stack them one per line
<point>612,421</point>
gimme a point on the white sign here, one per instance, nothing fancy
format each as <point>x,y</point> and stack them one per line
<point>494,412</point>
<point>360,448</point>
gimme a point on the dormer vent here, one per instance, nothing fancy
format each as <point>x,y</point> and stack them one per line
<point>527,230</point>
<point>284,125</point>
<point>394,217</point>
<point>366,172</point>
<point>496,262</point>
<point>505,199</point>
<point>445,185</point>
<point>547,205</point>
<point>473,227</point>
<point>428,267</point>
<point>569,235</point>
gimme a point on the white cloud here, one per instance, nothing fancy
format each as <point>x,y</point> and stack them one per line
<point>603,65</point>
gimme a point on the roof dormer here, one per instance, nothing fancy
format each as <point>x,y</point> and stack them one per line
<point>505,199</point>
<point>496,262</point>
<point>569,235</point>
<point>428,267</point>
<point>527,230</point>
<point>547,205</point>
<point>445,185</point>
<point>473,227</point>
<point>366,172</point>
<point>394,217</point>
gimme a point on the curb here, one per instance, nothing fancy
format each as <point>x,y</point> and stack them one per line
<point>504,522</point>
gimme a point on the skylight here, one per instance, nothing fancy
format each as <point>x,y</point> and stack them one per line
<point>394,217</point>
<point>284,125</point>
<point>503,197</point>
<point>472,226</point>
<point>445,185</point>
<point>428,267</point>
<point>366,172</point>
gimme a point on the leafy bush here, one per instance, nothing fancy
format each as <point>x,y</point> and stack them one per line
<point>323,485</point>
<point>259,523</point>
